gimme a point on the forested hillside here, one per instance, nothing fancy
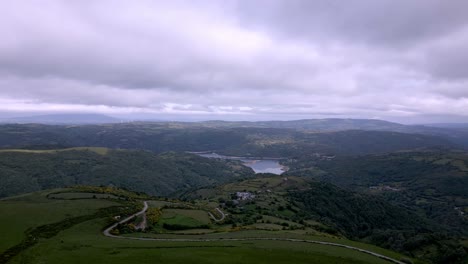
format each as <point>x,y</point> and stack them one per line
<point>143,171</point>
<point>299,203</point>
<point>377,221</point>
<point>241,141</point>
<point>433,182</point>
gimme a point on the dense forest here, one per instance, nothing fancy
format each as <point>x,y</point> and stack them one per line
<point>432,182</point>
<point>143,171</point>
<point>374,220</point>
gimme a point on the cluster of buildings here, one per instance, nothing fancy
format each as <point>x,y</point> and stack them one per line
<point>244,196</point>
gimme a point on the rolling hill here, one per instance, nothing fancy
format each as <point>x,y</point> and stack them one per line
<point>297,203</point>
<point>65,226</point>
<point>433,182</point>
<point>243,141</point>
<point>24,171</point>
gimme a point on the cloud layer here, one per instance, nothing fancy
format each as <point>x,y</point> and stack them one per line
<point>265,59</point>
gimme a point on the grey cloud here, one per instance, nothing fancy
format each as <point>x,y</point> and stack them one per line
<point>449,63</point>
<point>249,58</point>
<point>388,29</point>
<point>385,22</point>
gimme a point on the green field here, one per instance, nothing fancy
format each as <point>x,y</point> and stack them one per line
<point>29,211</point>
<point>80,195</point>
<point>295,234</point>
<point>84,243</point>
<point>180,219</point>
<point>159,204</point>
<point>198,215</point>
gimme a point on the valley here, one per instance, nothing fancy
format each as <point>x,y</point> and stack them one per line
<point>234,132</point>
<point>345,196</point>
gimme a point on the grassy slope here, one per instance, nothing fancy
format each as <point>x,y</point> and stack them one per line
<point>84,242</point>
<point>199,215</point>
<point>29,211</point>
<point>296,234</point>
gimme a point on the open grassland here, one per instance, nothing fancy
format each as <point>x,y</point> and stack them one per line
<point>80,195</point>
<point>84,243</point>
<point>294,234</point>
<point>180,219</point>
<point>199,215</point>
<point>28,211</point>
<point>160,204</point>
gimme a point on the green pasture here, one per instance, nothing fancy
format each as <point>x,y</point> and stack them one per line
<point>80,195</point>
<point>29,211</point>
<point>84,243</point>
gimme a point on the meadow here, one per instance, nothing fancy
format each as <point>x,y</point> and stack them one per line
<point>21,213</point>
<point>83,241</point>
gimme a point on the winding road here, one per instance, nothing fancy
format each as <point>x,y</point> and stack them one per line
<point>108,234</point>
<point>109,229</point>
<point>220,212</point>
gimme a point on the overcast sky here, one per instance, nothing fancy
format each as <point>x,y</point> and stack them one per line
<point>400,60</point>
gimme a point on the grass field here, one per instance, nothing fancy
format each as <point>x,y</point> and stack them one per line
<point>80,195</point>
<point>185,219</point>
<point>84,243</point>
<point>28,211</point>
<point>295,234</point>
<point>159,204</point>
<point>199,215</point>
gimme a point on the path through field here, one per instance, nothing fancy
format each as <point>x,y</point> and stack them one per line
<point>108,234</point>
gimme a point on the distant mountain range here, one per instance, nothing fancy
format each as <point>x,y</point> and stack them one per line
<point>328,124</point>
<point>322,125</point>
<point>456,133</point>
<point>448,125</point>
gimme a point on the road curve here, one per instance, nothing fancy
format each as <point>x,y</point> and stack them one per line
<point>214,218</point>
<point>107,231</point>
<point>108,234</point>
